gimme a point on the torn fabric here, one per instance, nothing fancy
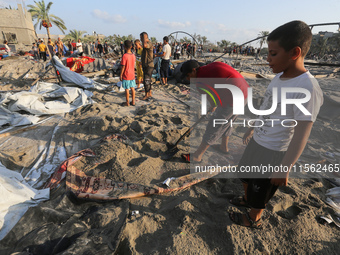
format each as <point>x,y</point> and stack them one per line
<point>16,197</point>
<point>69,76</point>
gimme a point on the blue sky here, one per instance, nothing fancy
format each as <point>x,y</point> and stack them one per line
<point>237,21</point>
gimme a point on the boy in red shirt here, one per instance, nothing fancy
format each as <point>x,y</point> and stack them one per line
<point>127,75</point>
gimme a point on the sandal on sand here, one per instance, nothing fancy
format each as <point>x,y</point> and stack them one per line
<point>186,158</point>
<point>239,220</point>
<point>239,201</point>
<point>217,148</point>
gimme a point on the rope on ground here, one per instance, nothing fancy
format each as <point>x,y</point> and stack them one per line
<point>176,98</point>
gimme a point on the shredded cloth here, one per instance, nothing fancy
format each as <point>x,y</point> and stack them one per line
<point>77,64</point>
<point>16,197</point>
<point>100,188</point>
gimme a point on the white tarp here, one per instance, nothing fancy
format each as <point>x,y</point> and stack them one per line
<point>36,101</point>
<point>70,76</point>
<point>43,98</point>
<point>333,200</point>
<point>16,197</point>
<point>52,155</point>
<point>15,119</point>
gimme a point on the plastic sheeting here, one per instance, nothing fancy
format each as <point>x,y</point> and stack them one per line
<point>333,200</point>
<point>68,76</point>
<point>16,197</point>
<point>18,191</point>
<point>43,99</point>
<point>15,119</point>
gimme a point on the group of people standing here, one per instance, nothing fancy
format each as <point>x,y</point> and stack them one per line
<point>98,49</point>
<point>144,60</point>
<point>187,50</point>
<point>142,52</point>
<point>94,49</point>
<point>40,49</point>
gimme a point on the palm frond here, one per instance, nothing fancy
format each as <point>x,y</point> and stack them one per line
<point>49,6</point>
<point>57,18</point>
<point>40,12</point>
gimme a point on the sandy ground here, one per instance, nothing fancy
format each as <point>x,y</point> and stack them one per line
<point>193,221</point>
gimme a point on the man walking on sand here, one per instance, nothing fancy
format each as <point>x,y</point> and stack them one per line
<point>147,63</point>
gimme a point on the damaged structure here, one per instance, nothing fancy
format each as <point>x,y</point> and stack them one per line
<point>16,26</point>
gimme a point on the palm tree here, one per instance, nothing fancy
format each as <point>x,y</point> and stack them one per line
<point>75,34</point>
<point>263,35</point>
<point>185,39</point>
<point>40,12</point>
<point>204,40</point>
<point>223,44</point>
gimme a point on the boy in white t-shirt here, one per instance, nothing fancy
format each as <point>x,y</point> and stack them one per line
<point>279,138</point>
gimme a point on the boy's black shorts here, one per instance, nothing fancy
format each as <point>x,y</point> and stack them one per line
<point>260,190</point>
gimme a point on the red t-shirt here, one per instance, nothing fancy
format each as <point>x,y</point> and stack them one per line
<point>222,70</point>
<point>128,60</point>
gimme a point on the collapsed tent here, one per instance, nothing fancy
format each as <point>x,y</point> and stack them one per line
<point>77,64</point>
<point>68,76</point>
<point>42,99</point>
<point>98,188</point>
<point>333,200</point>
<point>16,197</point>
<point>15,119</point>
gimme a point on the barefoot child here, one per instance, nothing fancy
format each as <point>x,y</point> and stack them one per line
<point>127,75</point>
<point>139,50</point>
<point>279,145</point>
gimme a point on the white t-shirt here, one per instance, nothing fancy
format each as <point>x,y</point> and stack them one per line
<point>167,51</point>
<point>7,48</point>
<point>79,46</point>
<point>273,135</point>
<point>178,49</point>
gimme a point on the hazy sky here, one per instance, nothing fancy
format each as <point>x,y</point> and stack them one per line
<point>236,21</point>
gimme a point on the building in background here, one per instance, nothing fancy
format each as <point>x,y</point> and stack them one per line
<point>16,26</point>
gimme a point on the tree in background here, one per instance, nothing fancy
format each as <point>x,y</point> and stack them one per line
<point>109,39</point>
<point>40,13</point>
<point>185,39</point>
<point>153,40</point>
<point>204,40</point>
<point>74,35</point>
<point>224,44</point>
<point>263,40</point>
<point>117,38</point>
